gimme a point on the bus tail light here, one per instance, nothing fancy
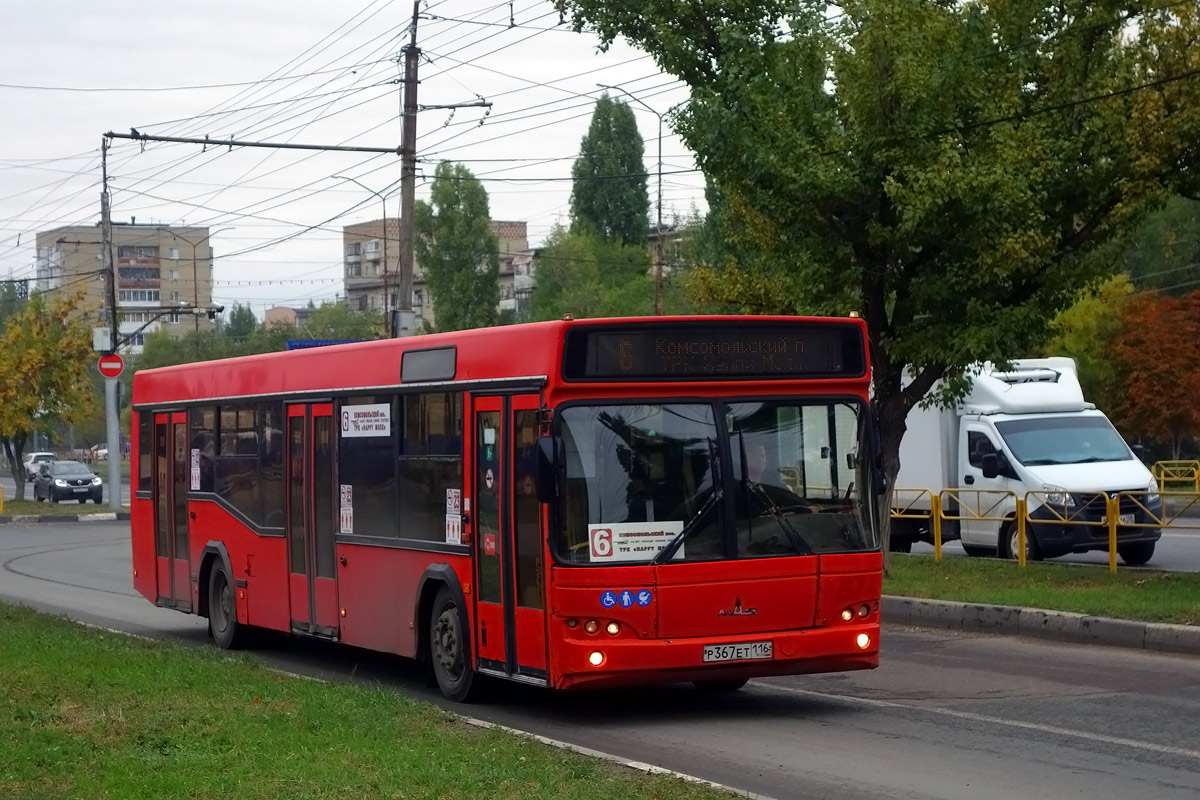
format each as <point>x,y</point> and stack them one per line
<point>863,641</point>
<point>596,659</point>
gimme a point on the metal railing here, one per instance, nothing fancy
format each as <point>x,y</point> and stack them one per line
<point>1176,510</point>
<point>1176,475</point>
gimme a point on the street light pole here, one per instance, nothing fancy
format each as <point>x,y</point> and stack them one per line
<point>387,297</point>
<point>658,244</point>
<point>195,271</point>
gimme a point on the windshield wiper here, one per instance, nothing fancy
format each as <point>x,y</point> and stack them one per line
<point>797,541</point>
<point>668,552</point>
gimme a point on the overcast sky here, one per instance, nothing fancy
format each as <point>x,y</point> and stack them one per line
<point>306,72</point>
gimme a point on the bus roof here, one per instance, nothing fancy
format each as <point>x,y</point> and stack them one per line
<point>526,352</point>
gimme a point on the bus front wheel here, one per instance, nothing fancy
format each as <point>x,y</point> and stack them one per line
<point>448,650</point>
<point>223,623</point>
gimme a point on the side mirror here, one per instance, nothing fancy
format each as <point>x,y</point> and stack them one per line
<point>551,455</point>
<point>990,464</point>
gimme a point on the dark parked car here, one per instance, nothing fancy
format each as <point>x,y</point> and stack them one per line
<point>67,480</point>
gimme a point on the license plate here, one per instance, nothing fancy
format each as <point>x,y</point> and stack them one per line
<point>742,651</point>
<point>1123,519</point>
<point>80,489</point>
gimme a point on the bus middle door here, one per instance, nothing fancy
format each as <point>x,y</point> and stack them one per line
<point>312,572</point>
<point>509,540</point>
<point>171,531</point>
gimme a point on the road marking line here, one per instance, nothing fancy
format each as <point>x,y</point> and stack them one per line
<point>1012,723</point>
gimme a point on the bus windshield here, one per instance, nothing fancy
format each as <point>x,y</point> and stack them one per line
<point>701,481</point>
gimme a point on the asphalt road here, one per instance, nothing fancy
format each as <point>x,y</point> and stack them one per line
<point>1178,550</point>
<point>945,716</point>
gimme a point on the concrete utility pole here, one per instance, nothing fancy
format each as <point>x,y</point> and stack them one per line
<point>658,228</point>
<point>111,399</point>
<point>408,183</point>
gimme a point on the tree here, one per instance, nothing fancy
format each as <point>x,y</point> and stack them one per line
<point>582,275</point>
<point>241,323</point>
<point>1164,252</point>
<point>457,250</point>
<point>339,321</point>
<point>608,190</point>
<point>45,351</point>
<point>951,170</point>
<point>1087,332</point>
<point>1158,357</point>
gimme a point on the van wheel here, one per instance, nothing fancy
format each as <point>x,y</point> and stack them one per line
<point>1136,553</point>
<point>223,625</point>
<point>448,650</point>
<point>1008,543</point>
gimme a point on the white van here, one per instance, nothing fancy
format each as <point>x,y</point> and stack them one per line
<point>1025,430</point>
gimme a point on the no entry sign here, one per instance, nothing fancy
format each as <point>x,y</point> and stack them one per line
<point>110,366</point>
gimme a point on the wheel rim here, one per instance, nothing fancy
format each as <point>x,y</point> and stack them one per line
<point>1014,544</point>
<point>224,605</point>
<point>447,643</point>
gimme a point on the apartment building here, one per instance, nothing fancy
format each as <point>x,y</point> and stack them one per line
<point>158,267</point>
<point>372,267</point>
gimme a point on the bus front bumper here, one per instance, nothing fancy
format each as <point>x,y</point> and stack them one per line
<point>634,661</point>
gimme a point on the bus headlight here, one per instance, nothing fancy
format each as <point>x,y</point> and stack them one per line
<point>596,658</point>
<point>863,641</point>
<point>863,610</point>
<point>591,626</point>
<point>613,628</point>
<point>847,614</point>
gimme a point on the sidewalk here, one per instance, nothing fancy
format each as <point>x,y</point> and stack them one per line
<point>1063,626</point>
<point>98,516</point>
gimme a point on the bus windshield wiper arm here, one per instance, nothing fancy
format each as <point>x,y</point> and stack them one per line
<point>797,541</point>
<point>668,552</point>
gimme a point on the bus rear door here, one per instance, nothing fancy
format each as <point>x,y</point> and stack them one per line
<point>171,535</point>
<point>510,635</point>
<point>312,572</point>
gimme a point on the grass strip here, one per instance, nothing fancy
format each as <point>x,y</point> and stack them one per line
<point>89,714</point>
<point>1144,595</point>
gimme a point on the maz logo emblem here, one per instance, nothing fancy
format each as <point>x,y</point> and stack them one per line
<point>737,610</point>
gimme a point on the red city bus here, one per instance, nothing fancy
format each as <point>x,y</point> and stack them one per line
<point>579,503</point>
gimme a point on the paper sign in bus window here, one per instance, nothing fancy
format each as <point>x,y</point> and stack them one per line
<point>373,419</point>
<point>632,541</point>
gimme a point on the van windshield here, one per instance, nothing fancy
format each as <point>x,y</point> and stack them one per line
<point>1064,440</point>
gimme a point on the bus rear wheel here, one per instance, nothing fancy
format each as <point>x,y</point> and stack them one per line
<point>448,650</point>
<point>223,623</point>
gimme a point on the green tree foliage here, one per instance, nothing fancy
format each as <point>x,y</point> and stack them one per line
<point>583,275</point>
<point>339,321</point>
<point>1164,253</point>
<point>10,302</point>
<point>457,250</point>
<point>1158,360</point>
<point>240,324</point>
<point>1087,331</point>
<point>45,351</point>
<point>608,190</point>
<point>951,170</point>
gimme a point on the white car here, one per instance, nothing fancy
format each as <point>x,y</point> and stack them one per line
<point>33,461</point>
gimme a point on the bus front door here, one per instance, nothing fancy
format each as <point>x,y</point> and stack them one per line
<point>312,571</point>
<point>510,636</point>
<point>171,539</point>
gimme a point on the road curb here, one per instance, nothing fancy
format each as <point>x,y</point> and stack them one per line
<point>1061,626</point>
<point>100,516</point>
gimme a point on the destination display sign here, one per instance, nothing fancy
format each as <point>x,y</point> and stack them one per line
<point>734,351</point>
